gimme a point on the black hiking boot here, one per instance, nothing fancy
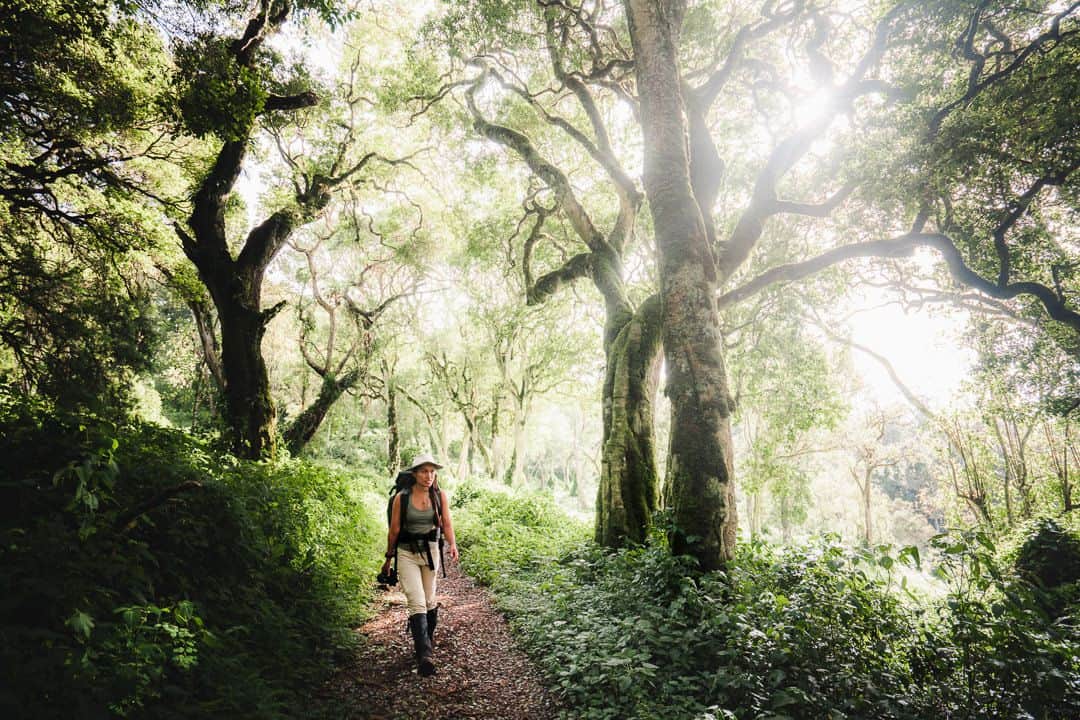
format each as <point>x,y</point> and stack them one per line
<point>419,626</point>
<point>432,621</point>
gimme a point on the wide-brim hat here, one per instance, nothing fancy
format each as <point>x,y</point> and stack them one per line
<point>424,459</point>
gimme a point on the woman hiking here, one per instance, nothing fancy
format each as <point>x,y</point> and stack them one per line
<point>419,523</point>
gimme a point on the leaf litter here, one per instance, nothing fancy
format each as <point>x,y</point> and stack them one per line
<point>481,674</point>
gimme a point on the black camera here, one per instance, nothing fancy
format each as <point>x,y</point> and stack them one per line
<point>388,578</point>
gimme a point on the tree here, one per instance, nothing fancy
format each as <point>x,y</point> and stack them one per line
<point>871,453</point>
<point>467,381</point>
<point>84,161</point>
<point>982,183</point>
<point>1013,58</point>
<point>786,396</point>
<point>576,76</point>
<point>683,180</point>
<point>228,88</point>
<point>350,312</point>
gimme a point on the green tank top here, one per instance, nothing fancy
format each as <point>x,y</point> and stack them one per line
<point>418,522</point>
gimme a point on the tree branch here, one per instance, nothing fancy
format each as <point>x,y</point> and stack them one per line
<point>818,210</point>
<point>763,203</point>
<point>576,267</point>
<point>291,102</point>
<point>551,175</point>
<point>901,246</point>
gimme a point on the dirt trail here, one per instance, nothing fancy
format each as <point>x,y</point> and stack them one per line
<point>481,674</point>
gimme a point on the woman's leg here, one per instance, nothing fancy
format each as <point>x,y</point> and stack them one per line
<point>430,581</point>
<point>430,578</point>
<point>411,569</point>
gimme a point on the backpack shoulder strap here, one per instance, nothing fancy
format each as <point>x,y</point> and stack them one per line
<point>436,504</point>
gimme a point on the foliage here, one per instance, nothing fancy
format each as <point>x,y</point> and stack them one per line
<point>1049,558</point>
<point>215,94</point>
<point>506,532</point>
<point>992,650</point>
<point>785,392</point>
<point>800,632</point>
<point>72,331</point>
<point>78,82</point>
<point>152,577</point>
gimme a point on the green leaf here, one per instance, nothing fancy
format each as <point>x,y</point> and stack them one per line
<point>81,623</point>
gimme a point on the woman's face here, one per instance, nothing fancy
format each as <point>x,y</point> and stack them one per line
<point>425,475</point>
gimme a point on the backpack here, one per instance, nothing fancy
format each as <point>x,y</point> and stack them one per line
<point>403,485</point>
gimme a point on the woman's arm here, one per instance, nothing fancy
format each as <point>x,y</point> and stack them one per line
<point>395,528</point>
<point>448,526</point>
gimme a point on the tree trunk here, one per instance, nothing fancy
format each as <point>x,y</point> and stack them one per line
<point>514,471</point>
<point>1007,467</point>
<point>517,467</point>
<point>700,474</point>
<point>755,502</point>
<point>1059,455</point>
<point>248,405</point>
<point>303,428</point>
<point>464,453</point>
<point>477,446</point>
<point>866,487</point>
<point>508,474</point>
<point>785,517</point>
<point>627,492</point>
<point>393,442</point>
<point>497,450</point>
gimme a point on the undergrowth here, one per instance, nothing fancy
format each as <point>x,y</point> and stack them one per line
<point>816,631</point>
<point>147,575</point>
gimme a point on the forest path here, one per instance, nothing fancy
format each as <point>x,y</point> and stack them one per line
<point>481,674</point>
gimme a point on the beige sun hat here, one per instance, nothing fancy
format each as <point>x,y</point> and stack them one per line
<point>424,459</point>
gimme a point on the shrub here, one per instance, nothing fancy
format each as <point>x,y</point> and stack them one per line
<point>810,632</point>
<point>154,577</point>
<point>1049,559</point>
<point>990,649</point>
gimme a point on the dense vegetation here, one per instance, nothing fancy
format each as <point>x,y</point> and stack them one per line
<point>808,631</point>
<point>151,575</point>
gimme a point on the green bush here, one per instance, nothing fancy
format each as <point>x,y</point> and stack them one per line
<point>1049,559</point>
<point>991,649</point>
<point>801,632</point>
<point>151,576</point>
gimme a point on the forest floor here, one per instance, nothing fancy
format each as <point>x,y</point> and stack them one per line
<point>481,674</point>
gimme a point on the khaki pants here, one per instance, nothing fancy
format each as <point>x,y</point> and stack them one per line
<point>417,579</point>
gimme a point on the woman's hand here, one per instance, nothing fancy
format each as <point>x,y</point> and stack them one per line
<point>453,552</point>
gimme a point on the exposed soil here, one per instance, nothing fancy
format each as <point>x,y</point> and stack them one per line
<point>481,674</point>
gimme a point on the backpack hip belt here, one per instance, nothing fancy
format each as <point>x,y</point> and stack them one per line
<point>421,545</point>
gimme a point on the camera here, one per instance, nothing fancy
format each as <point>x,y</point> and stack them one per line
<point>387,578</point>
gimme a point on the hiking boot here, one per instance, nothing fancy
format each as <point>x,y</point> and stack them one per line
<point>432,621</point>
<point>421,639</point>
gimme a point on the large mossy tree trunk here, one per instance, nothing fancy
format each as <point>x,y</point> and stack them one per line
<point>699,486</point>
<point>627,492</point>
<point>248,405</point>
